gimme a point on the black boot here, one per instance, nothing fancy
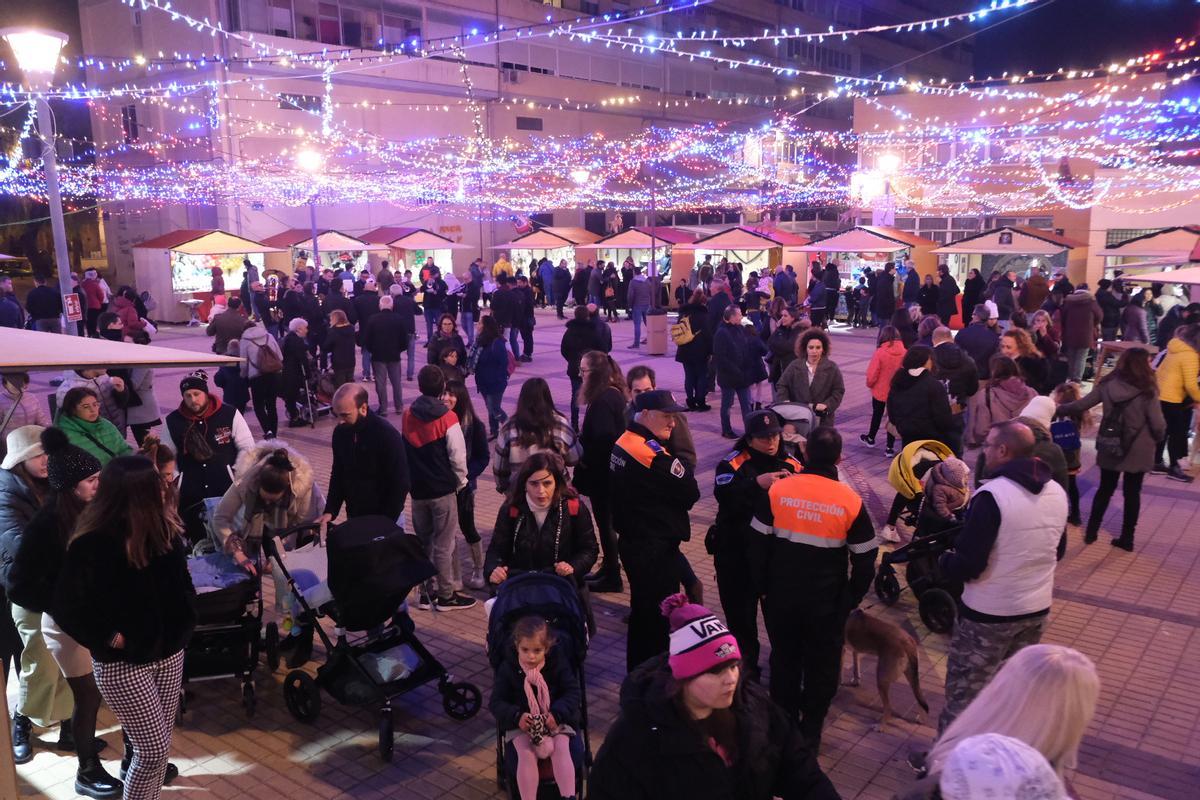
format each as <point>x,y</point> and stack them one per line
<point>22,733</point>
<point>66,739</point>
<point>93,781</point>
<point>1124,541</point>
<point>1092,532</point>
<point>302,651</point>
<point>171,774</point>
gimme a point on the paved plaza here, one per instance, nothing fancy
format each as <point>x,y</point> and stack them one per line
<point>1137,616</point>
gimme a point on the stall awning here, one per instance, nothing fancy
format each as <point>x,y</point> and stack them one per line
<point>399,238</point>
<point>328,241</point>
<point>4,257</point>
<point>34,351</point>
<point>641,238</point>
<point>1189,275</point>
<point>869,239</point>
<point>741,238</point>
<point>1175,242</point>
<point>206,243</point>
<point>549,239</point>
<point>1021,240</point>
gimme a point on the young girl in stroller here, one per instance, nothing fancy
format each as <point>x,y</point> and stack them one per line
<point>536,700</point>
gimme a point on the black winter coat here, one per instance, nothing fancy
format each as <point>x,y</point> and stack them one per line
<point>517,545</point>
<point>920,409</point>
<point>386,337</point>
<point>972,296</point>
<point>100,594</point>
<point>509,702</point>
<point>366,305</point>
<point>733,356</point>
<point>340,301</point>
<point>340,345</point>
<point>18,506</point>
<point>716,313</point>
<point>295,357</point>
<point>651,752</point>
<point>946,305</point>
<point>884,301</point>
<point>405,307</point>
<point>506,307</point>
<point>370,469</point>
<point>603,424</point>
<point>440,344</point>
<point>697,351</point>
<point>927,299</point>
<point>579,337</point>
<point>981,343</point>
<point>561,281</point>
<point>957,371</point>
<point>782,347</point>
<point>37,557</point>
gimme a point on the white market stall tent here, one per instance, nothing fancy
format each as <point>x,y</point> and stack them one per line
<point>409,247</point>
<point>1176,245</point>
<point>553,243</point>
<point>873,246</point>
<point>35,351</point>
<point>334,246</point>
<point>641,243</point>
<point>1013,247</point>
<point>757,250</point>
<point>177,267</point>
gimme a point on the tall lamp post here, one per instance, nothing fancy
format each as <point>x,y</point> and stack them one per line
<point>36,51</point>
<point>310,161</point>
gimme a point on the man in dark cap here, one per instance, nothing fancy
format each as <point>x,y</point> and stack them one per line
<point>207,437</point>
<point>656,489</point>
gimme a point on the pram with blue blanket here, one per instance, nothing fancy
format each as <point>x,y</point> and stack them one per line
<point>557,600</point>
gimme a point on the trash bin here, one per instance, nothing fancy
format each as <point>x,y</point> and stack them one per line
<point>656,332</point>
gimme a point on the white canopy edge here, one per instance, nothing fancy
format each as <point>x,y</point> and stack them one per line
<point>35,351</point>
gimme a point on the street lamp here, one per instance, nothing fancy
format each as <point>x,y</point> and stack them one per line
<point>36,52</point>
<point>311,161</point>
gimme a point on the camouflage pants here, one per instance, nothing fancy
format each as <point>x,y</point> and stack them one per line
<point>977,652</point>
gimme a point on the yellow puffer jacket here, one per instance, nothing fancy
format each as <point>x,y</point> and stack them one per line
<point>1178,372</point>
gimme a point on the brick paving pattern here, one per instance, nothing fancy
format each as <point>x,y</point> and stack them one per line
<point>1137,616</point>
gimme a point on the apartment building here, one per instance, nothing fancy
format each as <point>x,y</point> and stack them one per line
<point>520,84</point>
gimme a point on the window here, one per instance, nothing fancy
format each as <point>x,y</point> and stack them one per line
<point>529,123</point>
<point>329,30</point>
<point>589,7</point>
<point>1042,223</point>
<point>1115,236</point>
<point>596,222</point>
<point>398,30</point>
<point>129,123</point>
<point>279,18</point>
<point>300,102</point>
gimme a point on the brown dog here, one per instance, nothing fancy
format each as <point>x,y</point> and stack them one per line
<point>897,653</point>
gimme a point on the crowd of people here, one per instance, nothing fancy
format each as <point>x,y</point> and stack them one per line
<point>94,528</point>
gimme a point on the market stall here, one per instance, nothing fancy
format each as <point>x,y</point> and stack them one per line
<point>641,243</point>
<point>873,246</point>
<point>407,247</point>
<point>177,268</point>
<point>1016,248</point>
<point>335,247</point>
<point>553,243</point>
<point>758,251</point>
<point>1152,251</point>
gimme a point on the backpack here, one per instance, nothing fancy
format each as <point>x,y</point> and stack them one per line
<point>265,360</point>
<point>1110,439</point>
<point>681,332</point>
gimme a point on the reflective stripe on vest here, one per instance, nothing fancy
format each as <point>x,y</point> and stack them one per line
<point>812,510</point>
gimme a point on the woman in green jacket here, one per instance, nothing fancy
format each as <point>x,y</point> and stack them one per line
<point>80,419</point>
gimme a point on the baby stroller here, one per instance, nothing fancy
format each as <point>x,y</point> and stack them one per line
<point>937,597</point>
<point>316,394</point>
<point>227,639</point>
<point>373,565</point>
<point>557,600</point>
<point>798,415</point>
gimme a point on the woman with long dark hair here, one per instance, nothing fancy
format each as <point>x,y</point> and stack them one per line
<point>80,419</point>
<point>535,426</point>
<point>947,306</point>
<point>125,593</point>
<point>458,400</point>
<point>972,293</point>
<point>604,394</point>
<point>488,360</point>
<point>1130,429</point>
<point>38,561</point>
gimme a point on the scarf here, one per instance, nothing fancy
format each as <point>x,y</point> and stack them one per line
<point>538,695</point>
<point>195,439</point>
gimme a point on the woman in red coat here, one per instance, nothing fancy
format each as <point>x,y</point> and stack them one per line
<point>884,363</point>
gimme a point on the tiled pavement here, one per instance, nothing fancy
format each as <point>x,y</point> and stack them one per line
<point>1137,616</point>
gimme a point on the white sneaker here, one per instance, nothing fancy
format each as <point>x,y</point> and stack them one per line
<point>888,533</point>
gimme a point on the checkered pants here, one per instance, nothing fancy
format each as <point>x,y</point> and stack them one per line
<point>144,698</point>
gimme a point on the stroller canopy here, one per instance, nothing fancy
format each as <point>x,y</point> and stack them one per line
<point>543,594</point>
<point>910,466</point>
<point>373,565</point>
<point>798,415</point>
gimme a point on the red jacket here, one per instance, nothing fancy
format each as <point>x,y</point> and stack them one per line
<point>883,366</point>
<point>94,294</point>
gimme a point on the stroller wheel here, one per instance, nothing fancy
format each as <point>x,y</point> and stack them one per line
<point>887,585</point>
<point>938,610</point>
<point>461,701</point>
<point>302,696</point>
<point>387,734</point>
<point>249,700</point>
<point>271,646</point>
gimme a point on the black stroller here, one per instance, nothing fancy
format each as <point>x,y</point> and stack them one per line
<point>373,565</point>
<point>937,596</point>
<point>556,599</point>
<point>316,394</point>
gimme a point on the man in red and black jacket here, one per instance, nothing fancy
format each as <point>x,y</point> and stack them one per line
<point>437,462</point>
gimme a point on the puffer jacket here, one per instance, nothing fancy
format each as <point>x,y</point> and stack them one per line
<point>957,371</point>
<point>996,402</point>
<point>1078,319</point>
<point>1177,374</point>
<point>241,518</point>
<point>651,752</point>
<point>520,544</point>
<point>1142,422</point>
<point>884,363</point>
<point>18,505</point>
<point>919,408</point>
<point>782,347</point>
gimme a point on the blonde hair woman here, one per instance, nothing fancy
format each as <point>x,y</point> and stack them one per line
<point>1045,695</point>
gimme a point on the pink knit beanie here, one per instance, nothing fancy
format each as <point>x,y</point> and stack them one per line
<point>699,641</point>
